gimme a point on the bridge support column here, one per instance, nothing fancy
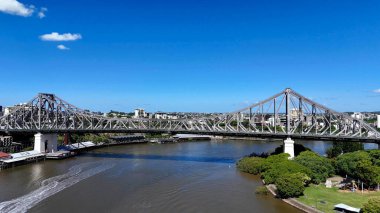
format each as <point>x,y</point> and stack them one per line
<point>45,143</point>
<point>289,147</point>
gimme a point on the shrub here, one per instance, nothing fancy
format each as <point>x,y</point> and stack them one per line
<point>321,167</point>
<point>281,168</point>
<point>274,159</point>
<point>290,185</point>
<point>372,206</point>
<point>262,190</point>
<point>250,165</point>
<point>261,155</point>
<point>343,147</point>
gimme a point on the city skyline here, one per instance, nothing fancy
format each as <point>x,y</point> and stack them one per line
<point>205,57</point>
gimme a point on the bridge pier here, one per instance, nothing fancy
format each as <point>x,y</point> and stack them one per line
<point>45,143</point>
<point>289,147</point>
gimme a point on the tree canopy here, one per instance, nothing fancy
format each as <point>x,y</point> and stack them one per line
<point>372,206</point>
<point>339,148</point>
<point>290,185</point>
<point>276,166</point>
<point>360,165</point>
<point>250,165</point>
<point>321,167</point>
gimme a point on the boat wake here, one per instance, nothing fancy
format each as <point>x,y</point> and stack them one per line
<point>54,185</point>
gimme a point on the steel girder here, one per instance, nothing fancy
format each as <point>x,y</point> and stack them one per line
<point>284,114</point>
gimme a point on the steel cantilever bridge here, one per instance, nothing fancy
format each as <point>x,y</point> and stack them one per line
<point>286,114</point>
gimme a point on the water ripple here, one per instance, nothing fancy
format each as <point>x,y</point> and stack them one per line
<point>161,157</point>
<point>54,185</point>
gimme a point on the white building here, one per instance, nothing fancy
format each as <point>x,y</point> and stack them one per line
<point>173,117</point>
<point>160,115</point>
<point>378,121</point>
<point>357,115</point>
<point>294,113</point>
<point>272,122</point>
<point>8,110</point>
<point>139,113</point>
<point>163,115</point>
<point>6,140</point>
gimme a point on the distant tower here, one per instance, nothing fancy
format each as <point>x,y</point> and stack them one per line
<point>378,121</point>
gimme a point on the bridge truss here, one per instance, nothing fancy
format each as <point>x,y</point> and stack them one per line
<point>286,114</point>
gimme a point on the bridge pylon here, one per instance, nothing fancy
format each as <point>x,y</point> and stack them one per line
<point>45,143</point>
<point>289,147</point>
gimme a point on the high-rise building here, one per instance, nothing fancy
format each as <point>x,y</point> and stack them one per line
<point>378,121</point>
<point>140,113</point>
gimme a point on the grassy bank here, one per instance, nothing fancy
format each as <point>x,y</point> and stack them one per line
<point>324,198</point>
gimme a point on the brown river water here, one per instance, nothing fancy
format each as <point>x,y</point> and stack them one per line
<point>182,177</point>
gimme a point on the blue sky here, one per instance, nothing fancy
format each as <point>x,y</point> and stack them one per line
<point>190,55</point>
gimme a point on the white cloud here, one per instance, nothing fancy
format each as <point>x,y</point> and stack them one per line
<point>41,13</point>
<point>62,47</point>
<point>376,91</point>
<point>16,8</point>
<point>54,36</point>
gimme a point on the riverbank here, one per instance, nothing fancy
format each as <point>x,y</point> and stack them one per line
<point>300,182</point>
<point>319,199</point>
<point>65,151</point>
<point>324,199</point>
<point>292,201</point>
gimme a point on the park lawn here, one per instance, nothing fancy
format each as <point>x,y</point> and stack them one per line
<point>325,199</point>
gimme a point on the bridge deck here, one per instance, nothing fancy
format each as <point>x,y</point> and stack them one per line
<point>218,133</point>
<point>286,114</point>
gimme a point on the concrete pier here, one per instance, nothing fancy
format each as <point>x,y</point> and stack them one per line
<point>45,143</point>
<point>289,147</point>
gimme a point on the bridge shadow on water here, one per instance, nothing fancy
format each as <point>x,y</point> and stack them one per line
<point>158,157</point>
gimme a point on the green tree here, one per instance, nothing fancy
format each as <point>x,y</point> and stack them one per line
<point>60,139</point>
<point>372,175</point>
<point>375,156</point>
<point>273,159</point>
<point>358,165</point>
<point>372,206</point>
<point>339,148</point>
<point>88,137</point>
<point>281,168</point>
<point>290,185</point>
<point>321,167</point>
<point>250,165</point>
<point>348,163</point>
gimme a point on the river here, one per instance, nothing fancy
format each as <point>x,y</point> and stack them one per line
<point>182,177</point>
